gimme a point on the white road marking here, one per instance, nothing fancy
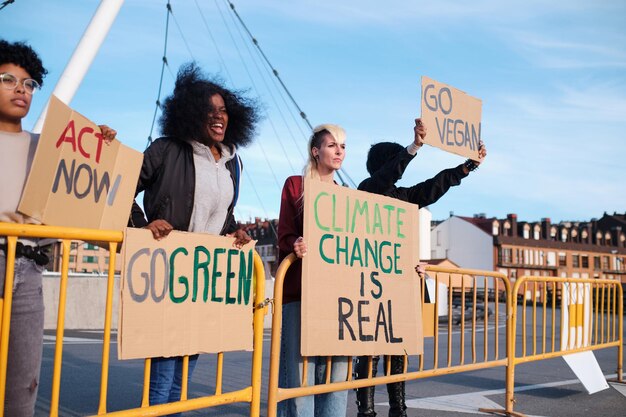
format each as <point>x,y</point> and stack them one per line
<point>471,402</point>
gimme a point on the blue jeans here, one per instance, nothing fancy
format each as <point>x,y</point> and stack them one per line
<point>166,376</point>
<point>332,404</point>
<point>25,337</point>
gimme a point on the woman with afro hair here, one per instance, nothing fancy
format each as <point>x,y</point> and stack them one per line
<point>190,179</point>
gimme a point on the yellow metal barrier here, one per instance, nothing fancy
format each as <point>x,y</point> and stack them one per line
<point>484,287</point>
<point>250,394</point>
<point>604,304</point>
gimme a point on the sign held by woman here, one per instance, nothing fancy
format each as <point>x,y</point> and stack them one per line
<point>360,292</point>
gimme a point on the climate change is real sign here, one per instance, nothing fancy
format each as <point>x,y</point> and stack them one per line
<point>360,291</point>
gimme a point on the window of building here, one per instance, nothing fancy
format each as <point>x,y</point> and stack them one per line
<point>541,257</point>
<point>585,261</point>
<point>439,237</point>
<point>564,235</point>
<point>507,228</point>
<point>526,231</point>
<point>551,259</point>
<point>496,228</point>
<point>596,262</point>
<point>106,260</point>
<point>519,256</point>
<point>575,260</point>
<point>506,255</point>
<point>537,232</point>
<point>562,259</point>
<point>605,262</point>
<point>72,258</point>
<point>73,246</point>
<point>90,259</point>
<point>553,233</point>
<point>607,238</point>
<point>89,246</point>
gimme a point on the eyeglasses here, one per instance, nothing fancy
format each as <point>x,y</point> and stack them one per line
<point>10,82</point>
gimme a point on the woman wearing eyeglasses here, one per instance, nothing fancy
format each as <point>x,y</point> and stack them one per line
<point>21,75</point>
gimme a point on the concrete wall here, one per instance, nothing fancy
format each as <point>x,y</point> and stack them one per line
<point>86,301</point>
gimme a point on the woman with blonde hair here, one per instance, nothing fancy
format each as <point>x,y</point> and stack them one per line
<point>326,152</point>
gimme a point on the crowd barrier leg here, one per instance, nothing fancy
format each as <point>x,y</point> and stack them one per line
<point>6,317</point>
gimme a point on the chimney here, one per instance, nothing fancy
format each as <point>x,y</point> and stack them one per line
<point>512,218</point>
<point>615,233</point>
<point>546,224</point>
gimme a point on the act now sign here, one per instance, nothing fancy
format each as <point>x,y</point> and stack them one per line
<point>77,179</point>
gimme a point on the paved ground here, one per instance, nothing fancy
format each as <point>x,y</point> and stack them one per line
<point>546,388</point>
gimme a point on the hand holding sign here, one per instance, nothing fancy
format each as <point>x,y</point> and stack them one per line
<point>299,247</point>
<point>160,228</point>
<point>107,133</point>
<point>420,132</point>
<point>241,238</point>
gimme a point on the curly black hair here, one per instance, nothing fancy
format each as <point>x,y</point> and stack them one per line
<point>22,55</point>
<point>381,153</point>
<point>186,111</point>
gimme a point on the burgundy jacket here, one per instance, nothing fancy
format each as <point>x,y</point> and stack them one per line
<point>290,228</point>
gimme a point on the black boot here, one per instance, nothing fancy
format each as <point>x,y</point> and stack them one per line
<point>365,396</point>
<point>397,405</point>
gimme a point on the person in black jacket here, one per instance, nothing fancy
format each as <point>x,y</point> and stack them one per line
<point>386,162</point>
<point>190,179</point>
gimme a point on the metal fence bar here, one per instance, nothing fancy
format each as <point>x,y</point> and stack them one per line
<point>574,288</point>
<point>250,394</point>
<point>277,394</point>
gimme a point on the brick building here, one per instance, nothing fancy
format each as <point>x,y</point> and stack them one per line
<point>585,249</point>
<point>84,257</point>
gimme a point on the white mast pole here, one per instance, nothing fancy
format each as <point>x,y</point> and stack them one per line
<point>84,54</point>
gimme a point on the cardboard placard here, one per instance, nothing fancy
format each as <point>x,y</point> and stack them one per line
<point>360,291</point>
<point>188,293</point>
<point>453,118</point>
<point>77,180</point>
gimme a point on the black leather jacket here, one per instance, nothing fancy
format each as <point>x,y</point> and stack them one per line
<point>168,178</point>
<point>423,194</point>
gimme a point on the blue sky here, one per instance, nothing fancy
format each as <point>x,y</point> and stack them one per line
<point>551,75</point>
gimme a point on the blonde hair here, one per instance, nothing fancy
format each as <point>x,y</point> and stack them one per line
<point>316,140</point>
